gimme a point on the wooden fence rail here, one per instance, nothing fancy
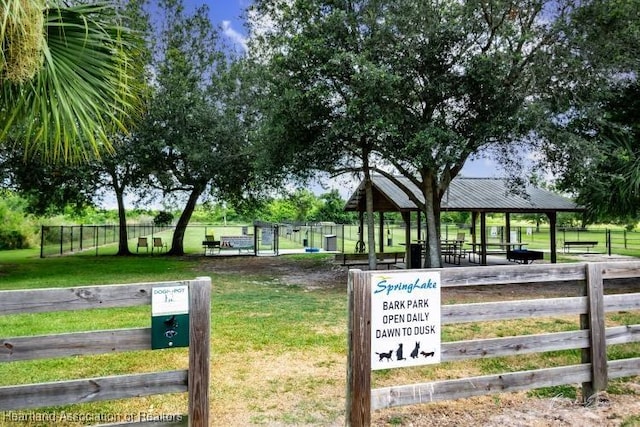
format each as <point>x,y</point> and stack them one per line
<point>194,380</point>
<point>592,338</point>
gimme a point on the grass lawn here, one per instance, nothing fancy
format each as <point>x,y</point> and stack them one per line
<point>260,329</point>
<point>278,349</point>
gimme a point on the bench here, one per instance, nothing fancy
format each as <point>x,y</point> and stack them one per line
<point>524,256</point>
<point>210,244</point>
<point>588,244</point>
<point>382,258</point>
<point>239,243</point>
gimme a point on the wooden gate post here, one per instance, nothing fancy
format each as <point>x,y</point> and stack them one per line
<point>596,354</point>
<point>199,351</point>
<point>359,356</point>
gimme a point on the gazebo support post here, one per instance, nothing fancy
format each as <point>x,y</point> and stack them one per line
<point>553,219</point>
<point>406,216</point>
<point>474,222</point>
<point>359,247</point>
<point>483,238</point>
<point>381,231</point>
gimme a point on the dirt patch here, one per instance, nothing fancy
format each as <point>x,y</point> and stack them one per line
<point>315,272</point>
<point>312,272</point>
<point>510,410</point>
<point>516,410</point>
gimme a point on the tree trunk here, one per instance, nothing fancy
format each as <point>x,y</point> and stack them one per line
<point>371,233</point>
<point>123,237</point>
<point>177,243</point>
<point>368,191</point>
<point>432,216</point>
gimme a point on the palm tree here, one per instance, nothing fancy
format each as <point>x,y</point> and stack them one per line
<point>68,77</point>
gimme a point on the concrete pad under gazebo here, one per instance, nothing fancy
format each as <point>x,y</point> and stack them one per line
<point>476,195</point>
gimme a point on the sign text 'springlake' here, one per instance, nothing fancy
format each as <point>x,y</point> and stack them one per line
<point>388,288</point>
<point>405,319</point>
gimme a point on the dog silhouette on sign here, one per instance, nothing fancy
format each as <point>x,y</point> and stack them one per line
<point>385,355</point>
<point>399,353</point>
<point>414,352</point>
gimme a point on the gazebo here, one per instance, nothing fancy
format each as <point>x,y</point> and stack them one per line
<point>476,195</point>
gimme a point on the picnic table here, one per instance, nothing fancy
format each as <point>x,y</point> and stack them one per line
<point>499,248</point>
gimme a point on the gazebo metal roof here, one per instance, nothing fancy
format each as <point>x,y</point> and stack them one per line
<point>464,194</point>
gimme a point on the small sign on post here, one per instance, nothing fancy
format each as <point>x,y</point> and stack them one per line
<point>169,317</point>
<point>394,321</point>
<point>405,319</point>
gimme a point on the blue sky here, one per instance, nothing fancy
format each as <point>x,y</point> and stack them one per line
<point>228,15</point>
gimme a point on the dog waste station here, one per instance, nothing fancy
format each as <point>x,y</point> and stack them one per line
<point>169,317</point>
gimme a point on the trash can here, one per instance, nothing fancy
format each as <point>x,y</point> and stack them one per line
<point>416,255</point>
<point>330,242</point>
<point>305,242</point>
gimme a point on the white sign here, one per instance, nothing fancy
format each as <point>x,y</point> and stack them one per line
<point>405,319</point>
<point>170,300</point>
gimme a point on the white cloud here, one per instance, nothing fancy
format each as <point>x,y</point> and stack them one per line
<point>236,37</point>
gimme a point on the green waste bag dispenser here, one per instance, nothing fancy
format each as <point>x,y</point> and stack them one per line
<point>169,317</point>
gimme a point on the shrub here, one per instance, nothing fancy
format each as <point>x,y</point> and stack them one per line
<point>163,218</point>
<point>18,230</point>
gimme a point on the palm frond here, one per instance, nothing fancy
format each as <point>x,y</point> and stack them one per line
<point>21,39</point>
<point>84,91</point>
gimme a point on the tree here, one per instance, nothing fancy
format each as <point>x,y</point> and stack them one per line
<point>332,209</point>
<point>47,188</point>
<point>67,76</point>
<point>122,169</point>
<point>595,150</point>
<point>606,179</point>
<point>414,88</point>
<point>51,184</point>
<point>304,204</point>
<point>194,133</point>
<point>321,110</point>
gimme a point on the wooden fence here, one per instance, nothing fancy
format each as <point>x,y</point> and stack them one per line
<point>194,380</point>
<point>592,339</point>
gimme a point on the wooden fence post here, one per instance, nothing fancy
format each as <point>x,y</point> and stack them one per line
<point>596,354</point>
<point>199,351</point>
<point>359,357</point>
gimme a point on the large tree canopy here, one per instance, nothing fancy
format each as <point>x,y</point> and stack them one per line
<point>193,136</point>
<point>68,77</point>
<point>605,174</point>
<point>414,88</point>
<point>592,148</point>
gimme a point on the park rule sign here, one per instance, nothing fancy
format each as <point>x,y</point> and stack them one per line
<point>405,319</point>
